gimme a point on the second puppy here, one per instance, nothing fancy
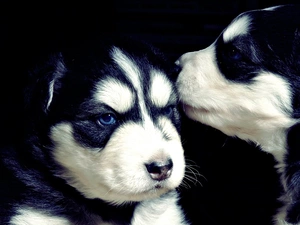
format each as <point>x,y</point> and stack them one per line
<point>247,84</point>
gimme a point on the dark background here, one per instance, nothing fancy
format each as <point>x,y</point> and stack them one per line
<point>176,26</point>
<point>239,185</point>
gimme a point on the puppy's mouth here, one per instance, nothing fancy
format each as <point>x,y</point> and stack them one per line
<point>155,190</point>
<point>200,114</point>
<point>188,109</point>
<point>158,186</point>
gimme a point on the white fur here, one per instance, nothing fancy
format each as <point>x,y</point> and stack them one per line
<point>238,27</point>
<point>129,68</point>
<point>279,219</point>
<point>115,94</point>
<point>132,72</point>
<point>159,211</point>
<point>27,216</point>
<point>60,70</point>
<point>161,89</point>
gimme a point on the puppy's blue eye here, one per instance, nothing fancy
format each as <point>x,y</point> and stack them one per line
<point>107,119</point>
<point>168,111</point>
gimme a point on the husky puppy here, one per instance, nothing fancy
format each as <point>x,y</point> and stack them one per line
<point>97,140</point>
<point>247,84</point>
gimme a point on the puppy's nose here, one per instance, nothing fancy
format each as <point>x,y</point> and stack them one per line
<point>186,57</point>
<point>177,63</point>
<point>160,170</point>
<point>180,61</point>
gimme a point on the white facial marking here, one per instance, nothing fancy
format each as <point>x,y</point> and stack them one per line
<point>117,173</point>
<point>132,72</point>
<point>239,26</point>
<point>161,89</point>
<point>32,217</point>
<point>129,68</point>
<point>115,94</point>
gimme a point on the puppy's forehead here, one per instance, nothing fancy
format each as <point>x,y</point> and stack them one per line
<point>147,84</point>
<point>128,66</point>
<point>240,26</point>
<point>258,19</point>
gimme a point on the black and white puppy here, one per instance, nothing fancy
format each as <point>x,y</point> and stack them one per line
<point>98,141</point>
<point>247,84</point>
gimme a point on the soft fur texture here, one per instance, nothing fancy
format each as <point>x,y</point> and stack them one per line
<point>95,140</point>
<point>246,84</point>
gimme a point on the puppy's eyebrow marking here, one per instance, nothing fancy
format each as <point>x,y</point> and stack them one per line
<point>160,89</point>
<point>239,26</point>
<point>132,72</point>
<point>115,94</point>
<point>128,66</point>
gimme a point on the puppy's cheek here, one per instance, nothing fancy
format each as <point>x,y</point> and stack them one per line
<point>78,165</point>
<point>187,83</point>
<point>217,119</point>
<point>117,172</point>
<point>188,76</point>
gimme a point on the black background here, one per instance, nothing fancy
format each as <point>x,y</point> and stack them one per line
<point>239,184</point>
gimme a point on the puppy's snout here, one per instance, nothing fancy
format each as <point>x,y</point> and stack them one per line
<point>180,61</point>
<point>160,170</point>
<point>186,58</point>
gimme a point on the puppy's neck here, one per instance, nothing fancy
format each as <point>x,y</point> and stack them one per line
<point>271,138</point>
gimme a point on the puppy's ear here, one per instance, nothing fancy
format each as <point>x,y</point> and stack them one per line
<point>44,83</point>
<point>54,80</point>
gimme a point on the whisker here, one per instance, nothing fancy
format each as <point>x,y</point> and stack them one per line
<point>192,175</point>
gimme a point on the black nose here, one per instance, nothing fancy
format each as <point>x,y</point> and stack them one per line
<point>160,170</point>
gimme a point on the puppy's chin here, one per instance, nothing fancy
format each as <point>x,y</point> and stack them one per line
<point>119,198</point>
<point>218,119</point>
<point>198,114</point>
<point>194,111</point>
